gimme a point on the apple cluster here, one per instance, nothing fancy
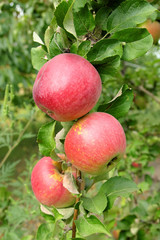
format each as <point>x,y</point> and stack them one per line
<point>67,88</point>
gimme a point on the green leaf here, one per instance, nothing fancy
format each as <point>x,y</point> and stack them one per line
<point>46,211</point>
<point>108,70</point>
<point>103,50</point>
<point>39,57</point>
<point>68,22</point>
<point>78,5</point>
<point>96,204</point>
<point>60,12</point>
<point>129,14</point>
<point>119,106</point>
<point>49,32</point>
<point>55,46</point>
<point>101,17</point>
<point>138,48</point>
<point>83,21</point>
<point>84,48</point>
<point>138,42</point>
<point>88,226</point>
<point>66,212</point>
<point>37,39</point>
<point>42,232</point>
<point>57,214</point>
<point>118,187</point>
<point>45,138</point>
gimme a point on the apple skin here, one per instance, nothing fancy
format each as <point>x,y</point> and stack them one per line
<point>153,28</point>
<point>47,184</point>
<point>67,87</point>
<point>95,143</point>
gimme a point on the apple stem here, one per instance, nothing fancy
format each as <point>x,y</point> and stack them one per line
<point>75,215</point>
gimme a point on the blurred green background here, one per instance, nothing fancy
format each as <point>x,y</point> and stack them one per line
<point>20,121</point>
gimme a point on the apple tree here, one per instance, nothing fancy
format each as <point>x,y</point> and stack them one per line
<point>77,181</point>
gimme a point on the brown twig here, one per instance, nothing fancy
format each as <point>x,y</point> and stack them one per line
<point>141,88</point>
<point>75,215</point>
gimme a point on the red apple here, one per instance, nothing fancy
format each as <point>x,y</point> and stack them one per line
<point>67,87</point>
<point>136,165</point>
<point>153,28</point>
<point>95,143</point>
<point>47,184</point>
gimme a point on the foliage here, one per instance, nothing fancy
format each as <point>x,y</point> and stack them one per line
<point>105,33</point>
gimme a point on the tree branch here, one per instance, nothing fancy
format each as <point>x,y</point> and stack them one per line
<point>141,88</point>
<point>75,215</point>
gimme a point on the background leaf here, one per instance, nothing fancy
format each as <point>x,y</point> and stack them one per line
<point>101,17</point>
<point>129,14</point>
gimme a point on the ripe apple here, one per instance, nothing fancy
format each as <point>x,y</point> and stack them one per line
<point>95,143</point>
<point>153,28</point>
<point>47,184</point>
<point>67,87</point>
<point>136,165</point>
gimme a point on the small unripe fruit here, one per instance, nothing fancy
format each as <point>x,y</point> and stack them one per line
<point>95,143</point>
<point>67,87</point>
<point>47,184</point>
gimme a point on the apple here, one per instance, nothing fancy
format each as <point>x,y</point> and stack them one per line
<point>95,143</point>
<point>116,233</point>
<point>153,28</point>
<point>136,165</point>
<point>47,184</point>
<point>67,87</point>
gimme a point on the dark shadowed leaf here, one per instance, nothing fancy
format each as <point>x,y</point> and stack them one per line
<point>84,48</point>
<point>60,12</point>
<point>101,17</point>
<point>108,70</point>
